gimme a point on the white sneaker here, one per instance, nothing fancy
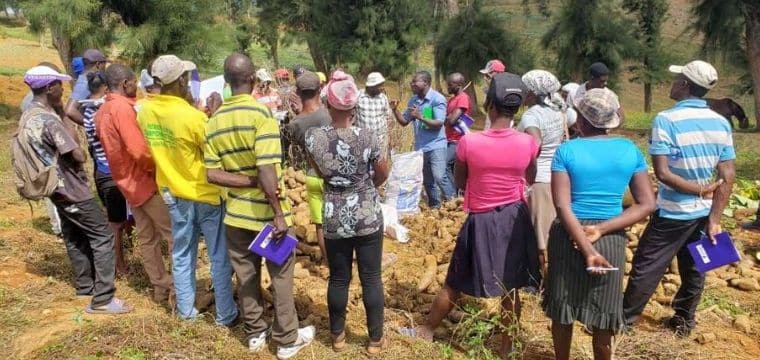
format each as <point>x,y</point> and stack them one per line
<point>305,337</point>
<point>257,343</point>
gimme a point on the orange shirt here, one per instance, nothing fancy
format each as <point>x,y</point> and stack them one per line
<point>132,166</point>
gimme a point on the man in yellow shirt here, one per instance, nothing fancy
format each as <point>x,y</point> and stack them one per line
<point>243,153</point>
<point>176,133</point>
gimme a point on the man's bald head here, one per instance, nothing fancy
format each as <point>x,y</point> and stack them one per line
<point>456,78</point>
<point>238,71</point>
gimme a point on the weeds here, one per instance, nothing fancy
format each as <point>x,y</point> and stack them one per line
<point>712,297</point>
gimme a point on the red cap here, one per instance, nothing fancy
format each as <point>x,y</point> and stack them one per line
<point>494,66</point>
<point>282,74</point>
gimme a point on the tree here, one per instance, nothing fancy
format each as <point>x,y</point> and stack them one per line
<point>74,25</point>
<point>649,15</point>
<point>587,31</point>
<point>731,29</point>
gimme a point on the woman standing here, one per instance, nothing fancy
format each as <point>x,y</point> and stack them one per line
<point>349,161</point>
<point>496,252</point>
<point>587,244</point>
<point>547,121</point>
<point>110,196</point>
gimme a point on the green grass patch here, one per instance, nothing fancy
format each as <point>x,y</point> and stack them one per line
<point>9,71</point>
<point>12,318</point>
<point>723,301</point>
<point>17,29</point>
<point>638,120</point>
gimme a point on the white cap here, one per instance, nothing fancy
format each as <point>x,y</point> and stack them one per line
<point>374,79</point>
<point>41,76</point>
<point>263,75</point>
<point>168,68</point>
<point>699,72</point>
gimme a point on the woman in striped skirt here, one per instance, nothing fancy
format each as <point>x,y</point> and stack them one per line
<point>587,242</point>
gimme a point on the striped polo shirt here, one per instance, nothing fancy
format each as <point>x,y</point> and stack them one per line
<point>88,118</point>
<point>695,139</point>
<point>241,136</point>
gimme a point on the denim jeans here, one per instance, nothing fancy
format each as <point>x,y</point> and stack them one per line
<point>451,159</point>
<point>434,177</point>
<point>189,220</point>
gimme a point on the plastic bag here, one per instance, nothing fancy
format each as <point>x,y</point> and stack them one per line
<point>393,228</point>
<point>404,186</point>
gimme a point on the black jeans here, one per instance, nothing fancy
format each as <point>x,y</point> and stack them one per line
<point>369,254</point>
<point>662,240</point>
<point>89,243</point>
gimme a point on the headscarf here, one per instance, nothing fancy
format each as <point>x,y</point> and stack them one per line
<point>570,88</point>
<point>146,80</point>
<point>342,92</point>
<point>546,86</point>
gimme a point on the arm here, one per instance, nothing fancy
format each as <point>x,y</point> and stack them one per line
<point>230,180</point>
<point>677,183</point>
<point>531,171</point>
<point>439,115</point>
<point>460,174</point>
<point>727,173</point>
<point>562,200</point>
<point>72,111</point>
<point>452,118</point>
<point>381,171</point>
<point>267,179</point>
<point>536,134</point>
<point>641,188</point>
<point>404,119</point>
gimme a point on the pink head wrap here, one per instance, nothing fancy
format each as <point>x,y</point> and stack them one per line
<point>342,92</point>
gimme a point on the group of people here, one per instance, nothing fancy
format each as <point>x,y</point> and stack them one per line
<point>544,199</point>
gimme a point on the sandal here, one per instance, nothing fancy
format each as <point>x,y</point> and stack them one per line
<point>116,306</point>
<point>339,342</point>
<point>415,332</point>
<point>376,347</point>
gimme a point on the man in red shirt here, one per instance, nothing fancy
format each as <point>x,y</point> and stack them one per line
<point>133,170</point>
<point>459,104</point>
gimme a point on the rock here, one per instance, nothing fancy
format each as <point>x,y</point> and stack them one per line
<point>715,282</point>
<point>706,338</point>
<point>743,324</point>
<point>746,284</point>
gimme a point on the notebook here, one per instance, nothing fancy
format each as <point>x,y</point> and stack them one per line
<point>275,251</point>
<point>708,256</point>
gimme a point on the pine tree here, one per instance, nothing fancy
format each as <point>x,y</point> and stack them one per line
<point>649,15</point>
<point>731,29</point>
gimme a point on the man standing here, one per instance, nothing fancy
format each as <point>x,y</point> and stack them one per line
<point>459,104</point>
<point>492,68</point>
<point>89,239</point>
<point>427,111</point>
<point>242,153</point>
<point>176,133</point>
<point>94,61</point>
<point>599,76</point>
<point>373,110</point>
<point>134,172</point>
<point>312,115</point>
<point>689,143</point>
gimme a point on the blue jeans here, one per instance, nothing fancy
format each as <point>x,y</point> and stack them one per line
<point>434,177</point>
<point>451,159</point>
<point>189,220</point>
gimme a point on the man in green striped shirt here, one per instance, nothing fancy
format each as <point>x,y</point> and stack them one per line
<point>243,153</point>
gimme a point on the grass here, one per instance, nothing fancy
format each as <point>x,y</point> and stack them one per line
<point>8,71</point>
<point>15,28</point>
<point>713,296</point>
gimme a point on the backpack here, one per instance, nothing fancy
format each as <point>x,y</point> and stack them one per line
<point>34,179</point>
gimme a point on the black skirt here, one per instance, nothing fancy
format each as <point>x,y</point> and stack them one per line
<point>572,294</point>
<point>496,252</point>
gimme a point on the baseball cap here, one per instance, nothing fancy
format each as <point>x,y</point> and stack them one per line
<point>374,79</point>
<point>494,65</point>
<point>41,76</point>
<point>298,70</point>
<point>263,75</point>
<point>168,68</point>
<point>600,108</point>
<point>699,72</point>
<point>282,73</point>
<point>507,89</point>
<point>307,81</point>
<point>94,55</point>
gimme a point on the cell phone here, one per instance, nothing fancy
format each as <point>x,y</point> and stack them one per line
<point>599,268</point>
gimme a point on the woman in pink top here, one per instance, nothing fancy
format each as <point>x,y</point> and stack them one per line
<point>496,250</point>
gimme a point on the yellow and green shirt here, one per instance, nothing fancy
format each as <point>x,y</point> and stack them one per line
<point>176,134</point>
<point>241,136</point>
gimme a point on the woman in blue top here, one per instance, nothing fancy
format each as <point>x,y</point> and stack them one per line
<point>587,245</point>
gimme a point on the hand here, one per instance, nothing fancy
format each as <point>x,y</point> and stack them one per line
<point>713,229</point>
<point>393,104</point>
<point>213,102</point>
<point>707,192</point>
<point>597,260</point>
<point>542,261</point>
<point>593,233</point>
<point>416,113</point>
<point>280,227</point>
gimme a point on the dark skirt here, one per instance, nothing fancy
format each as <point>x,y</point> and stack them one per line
<point>496,252</point>
<point>572,294</point>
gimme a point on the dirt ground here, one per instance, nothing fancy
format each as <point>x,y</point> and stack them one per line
<point>41,318</point>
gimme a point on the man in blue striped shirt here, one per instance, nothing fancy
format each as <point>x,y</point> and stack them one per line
<point>690,145</point>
